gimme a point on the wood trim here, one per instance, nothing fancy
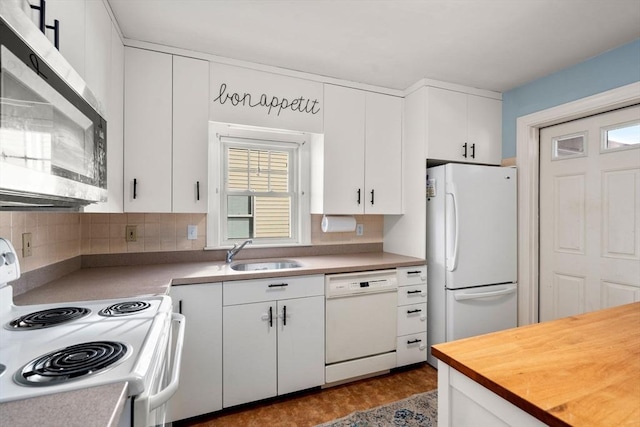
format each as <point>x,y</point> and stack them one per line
<point>527,161</point>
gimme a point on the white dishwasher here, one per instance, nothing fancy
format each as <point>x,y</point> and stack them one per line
<point>361,319</point>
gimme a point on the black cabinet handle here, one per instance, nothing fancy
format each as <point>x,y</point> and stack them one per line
<point>417,310</point>
<point>56,33</point>
<point>372,197</point>
<point>415,341</point>
<point>473,151</point>
<point>135,188</point>
<point>270,316</point>
<point>198,190</point>
<point>358,196</point>
<point>278,285</point>
<point>42,9</point>
<point>413,292</point>
<point>284,315</point>
<point>180,306</point>
<point>465,150</point>
<point>409,273</point>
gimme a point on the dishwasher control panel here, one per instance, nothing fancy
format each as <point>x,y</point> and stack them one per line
<point>339,285</point>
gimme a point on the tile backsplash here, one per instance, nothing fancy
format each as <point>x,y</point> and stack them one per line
<point>58,236</point>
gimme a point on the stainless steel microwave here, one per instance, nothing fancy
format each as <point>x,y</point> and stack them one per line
<point>53,140</point>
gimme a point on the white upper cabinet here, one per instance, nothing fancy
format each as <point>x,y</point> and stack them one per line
<point>190,134</point>
<point>342,173</point>
<point>462,127</point>
<point>115,130</point>
<point>383,154</point>
<point>357,169</point>
<point>71,17</point>
<point>166,132</point>
<point>97,50</point>
<point>147,131</point>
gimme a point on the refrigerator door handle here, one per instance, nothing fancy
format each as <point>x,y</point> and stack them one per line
<point>467,296</point>
<point>452,262</point>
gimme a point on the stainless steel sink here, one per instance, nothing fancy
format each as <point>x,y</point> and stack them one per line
<point>264,265</point>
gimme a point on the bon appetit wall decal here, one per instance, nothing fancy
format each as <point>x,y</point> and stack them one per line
<point>271,103</point>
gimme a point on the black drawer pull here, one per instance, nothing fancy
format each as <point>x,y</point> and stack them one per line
<point>417,310</point>
<point>413,272</point>
<point>415,341</point>
<point>414,292</point>
<point>278,285</point>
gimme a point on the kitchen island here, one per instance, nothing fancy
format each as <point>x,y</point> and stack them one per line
<point>577,371</point>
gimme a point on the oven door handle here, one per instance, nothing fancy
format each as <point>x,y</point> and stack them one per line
<point>165,394</point>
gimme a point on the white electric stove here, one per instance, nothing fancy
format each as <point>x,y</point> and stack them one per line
<point>51,348</point>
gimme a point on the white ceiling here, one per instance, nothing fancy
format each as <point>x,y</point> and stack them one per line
<point>488,44</point>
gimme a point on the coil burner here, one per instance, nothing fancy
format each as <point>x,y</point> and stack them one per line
<point>71,363</point>
<point>124,308</point>
<point>47,318</point>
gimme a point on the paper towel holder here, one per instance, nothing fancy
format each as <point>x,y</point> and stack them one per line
<point>338,223</point>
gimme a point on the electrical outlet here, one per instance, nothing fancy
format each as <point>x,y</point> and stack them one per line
<point>359,229</point>
<point>192,232</point>
<point>27,249</point>
<point>131,233</point>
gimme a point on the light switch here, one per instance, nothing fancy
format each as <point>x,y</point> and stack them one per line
<point>192,232</point>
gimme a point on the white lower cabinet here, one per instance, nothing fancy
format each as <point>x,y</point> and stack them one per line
<point>273,337</point>
<point>200,390</point>
<point>411,346</point>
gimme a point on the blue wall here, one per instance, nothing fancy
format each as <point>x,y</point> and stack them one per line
<point>609,70</point>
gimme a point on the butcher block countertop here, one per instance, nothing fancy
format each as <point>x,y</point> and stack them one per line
<point>577,371</point>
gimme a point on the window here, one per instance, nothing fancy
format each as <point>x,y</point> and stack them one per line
<point>621,137</point>
<point>261,189</point>
<point>569,146</point>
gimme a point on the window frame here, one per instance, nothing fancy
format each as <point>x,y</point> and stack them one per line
<point>221,135</point>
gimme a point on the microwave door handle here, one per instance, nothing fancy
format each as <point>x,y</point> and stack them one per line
<point>165,394</point>
<point>468,296</point>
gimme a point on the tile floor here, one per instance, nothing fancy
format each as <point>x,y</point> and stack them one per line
<point>318,406</point>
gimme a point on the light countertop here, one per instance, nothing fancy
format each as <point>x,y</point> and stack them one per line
<point>103,405</point>
<point>580,371</point>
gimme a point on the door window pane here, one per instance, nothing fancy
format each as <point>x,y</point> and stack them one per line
<point>625,136</point>
<point>569,146</point>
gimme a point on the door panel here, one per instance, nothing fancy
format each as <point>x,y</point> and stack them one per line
<point>589,215</point>
<point>248,353</point>
<point>300,344</point>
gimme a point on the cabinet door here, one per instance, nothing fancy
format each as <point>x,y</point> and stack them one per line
<point>115,130</point>
<point>200,390</point>
<point>190,134</point>
<point>485,129</point>
<point>446,124</point>
<point>383,154</point>
<point>300,344</point>
<point>249,352</point>
<point>71,17</point>
<point>147,131</point>
<point>344,123</point>
<point>98,50</point>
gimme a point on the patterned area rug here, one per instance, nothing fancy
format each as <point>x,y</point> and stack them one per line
<point>417,410</point>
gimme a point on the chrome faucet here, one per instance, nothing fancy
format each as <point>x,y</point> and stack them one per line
<point>235,249</point>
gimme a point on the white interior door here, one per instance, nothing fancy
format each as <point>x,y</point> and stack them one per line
<point>590,214</point>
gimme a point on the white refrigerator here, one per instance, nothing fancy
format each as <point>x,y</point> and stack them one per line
<point>471,251</point>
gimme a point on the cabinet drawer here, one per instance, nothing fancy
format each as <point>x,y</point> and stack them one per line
<point>411,349</point>
<point>412,319</point>
<point>277,288</point>
<point>412,275</point>
<point>414,294</point>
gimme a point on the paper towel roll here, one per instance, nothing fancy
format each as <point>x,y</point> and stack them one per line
<point>336,224</point>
